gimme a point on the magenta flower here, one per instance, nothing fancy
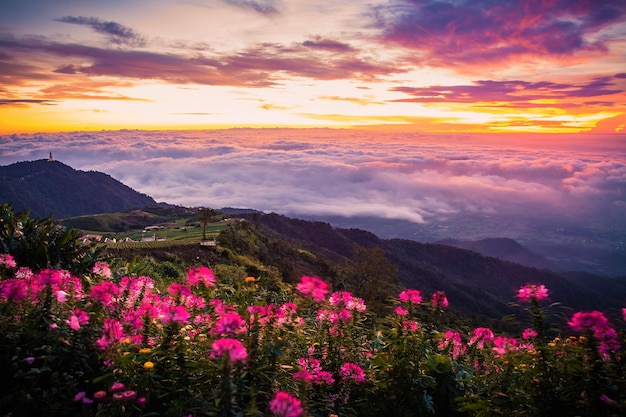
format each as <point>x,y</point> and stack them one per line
<point>594,321</point>
<point>117,386</point>
<point>112,332</point>
<point>102,269</point>
<point>598,324</point>
<point>13,289</point>
<point>452,340</point>
<point>180,314</point>
<point>285,405</point>
<point>439,300</point>
<point>313,288</point>
<point>410,296</point>
<point>400,311</point>
<point>229,324</point>
<point>529,333</point>
<point>235,350</point>
<point>532,291</point>
<point>311,371</point>
<point>200,275</point>
<point>352,371</point>
<point>502,345</point>
<point>77,319</point>
<point>345,299</point>
<point>480,336</point>
<point>99,395</point>
<point>7,260</point>
<point>105,292</point>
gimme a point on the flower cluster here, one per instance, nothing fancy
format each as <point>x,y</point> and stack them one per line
<point>532,291</point>
<point>200,340</point>
<point>596,323</point>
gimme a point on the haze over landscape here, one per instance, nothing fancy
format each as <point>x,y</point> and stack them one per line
<point>457,119</point>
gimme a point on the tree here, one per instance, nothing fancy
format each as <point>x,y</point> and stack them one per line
<point>370,275</point>
<point>205,215</point>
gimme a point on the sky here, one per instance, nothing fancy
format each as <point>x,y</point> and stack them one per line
<point>542,66</point>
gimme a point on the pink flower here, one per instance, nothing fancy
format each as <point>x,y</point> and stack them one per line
<point>13,289</point>
<point>411,296</point>
<point>77,319</point>
<point>439,300</point>
<point>117,386</point>
<point>598,324</point>
<point>532,291</point>
<point>410,326</point>
<point>529,334</point>
<point>452,339</point>
<point>233,348</point>
<point>229,324</point>
<point>285,405</point>
<point>112,332</point>
<point>352,371</point>
<point>502,345</point>
<point>99,395</point>
<point>7,260</point>
<point>400,311</point>
<point>624,313</point>
<point>588,320</point>
<point>102,269</point>
<point>313,288</point>
<point>311,371</point>
<point>480,336</point>
<point>345,299</point>
<point>105,292</point>
<point>200,275</point>
<point>180,314</point>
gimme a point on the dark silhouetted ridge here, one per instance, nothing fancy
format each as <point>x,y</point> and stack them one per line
<point>51,187</point>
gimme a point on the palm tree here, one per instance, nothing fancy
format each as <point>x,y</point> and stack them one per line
<point>204,216</point>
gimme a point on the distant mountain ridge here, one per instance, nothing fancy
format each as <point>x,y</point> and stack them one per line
<point>50,187</point>
<point>505,249</point>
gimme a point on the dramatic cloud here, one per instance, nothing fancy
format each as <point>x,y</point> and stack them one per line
<point>261,66</point>
<point>116,32</point>
<point>477,32</point>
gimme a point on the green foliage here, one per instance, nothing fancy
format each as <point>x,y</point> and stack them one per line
<point>42,243</point>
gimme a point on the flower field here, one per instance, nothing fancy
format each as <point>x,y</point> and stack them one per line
<point>219,343</point>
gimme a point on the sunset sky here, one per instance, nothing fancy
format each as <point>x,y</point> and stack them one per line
<point>556,66</point>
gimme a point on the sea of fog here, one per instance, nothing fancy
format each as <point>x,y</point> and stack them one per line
<point>520,185</point>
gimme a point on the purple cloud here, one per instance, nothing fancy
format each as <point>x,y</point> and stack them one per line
<point>481,32</point>
<point>514,91</point>
<point>117,33</point>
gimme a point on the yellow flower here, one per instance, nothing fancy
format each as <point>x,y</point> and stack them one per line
<point>250,279</point>
<point>145,351</point>
<point>148,366</point>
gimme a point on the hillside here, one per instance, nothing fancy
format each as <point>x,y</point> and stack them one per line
<point>51,187</point>
<point>477,285</point>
